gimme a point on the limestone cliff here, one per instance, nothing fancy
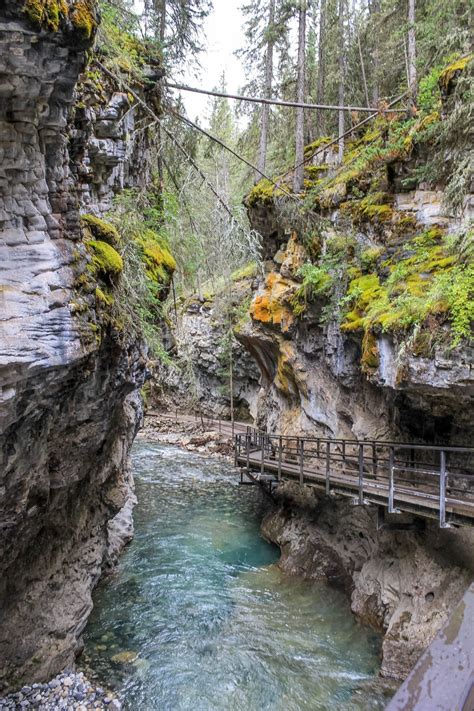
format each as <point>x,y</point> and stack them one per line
<point>404,583</point>
<point>362,325</point>
<point>362,328</point>
<point>200,344</point>
<point>69,375</point>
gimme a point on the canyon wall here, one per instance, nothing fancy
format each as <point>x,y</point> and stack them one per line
<point>202,350</point>
<point>320,379</point>
<point>404,583</point>
<point>353,341</point>
<point>69,376</point>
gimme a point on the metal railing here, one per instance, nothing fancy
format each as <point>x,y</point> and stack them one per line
<point>395,472</point>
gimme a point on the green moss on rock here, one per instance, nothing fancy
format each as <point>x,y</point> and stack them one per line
<point>263,192</point>
<point>106,261</point>
<point>451,71</point>
<point>99,229</point>
<point>48,14</point>
<point>103,297</point>
<point>158,260</point>
<point>83,18</point>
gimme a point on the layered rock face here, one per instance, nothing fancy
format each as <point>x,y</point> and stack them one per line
<point>341,357</point>
<point>404,583</point>
<point>314,379</point>
<point>200,345</point>
<point>68,381</point>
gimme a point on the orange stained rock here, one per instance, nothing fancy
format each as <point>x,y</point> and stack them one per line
<point>271,306</point>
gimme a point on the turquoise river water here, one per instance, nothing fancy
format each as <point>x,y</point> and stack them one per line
<point>198,616</point>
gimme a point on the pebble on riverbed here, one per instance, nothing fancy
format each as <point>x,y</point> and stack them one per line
<point>66,691</point>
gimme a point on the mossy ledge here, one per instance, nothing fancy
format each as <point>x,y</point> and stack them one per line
<point>96,228</point>
<point>50,14</point>
<point>106,261</point>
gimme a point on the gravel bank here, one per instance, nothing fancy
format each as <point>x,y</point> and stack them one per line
<point>66,691</point>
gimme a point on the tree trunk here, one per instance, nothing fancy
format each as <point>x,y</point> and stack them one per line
<point>160,9</point>
<point>412,87</point>
<point>262,153</point>
<point>162,21</point>
<point>362,66</point>
<point>321,124</point>
<point>299,167</point>
<point>342,62</point>
<point>375,12</point>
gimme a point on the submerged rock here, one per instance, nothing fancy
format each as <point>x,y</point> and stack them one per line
<point>124,657</point>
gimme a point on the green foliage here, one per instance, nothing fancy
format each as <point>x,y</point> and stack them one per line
<point>325,278</point>
<point>429,94</point>
<point>241,312</point>
<point>120,41</point>
<point>130,286</point>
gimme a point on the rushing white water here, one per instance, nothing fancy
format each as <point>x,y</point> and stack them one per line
<point>198,616</point>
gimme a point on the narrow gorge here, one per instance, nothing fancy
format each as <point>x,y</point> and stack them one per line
<point>147,271</point>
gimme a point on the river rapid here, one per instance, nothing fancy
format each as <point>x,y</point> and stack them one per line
<point>198,617</point>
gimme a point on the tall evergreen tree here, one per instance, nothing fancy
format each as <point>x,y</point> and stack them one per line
<point>300,97</point>
<point>268,84</point>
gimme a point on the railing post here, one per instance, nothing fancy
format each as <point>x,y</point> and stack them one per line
<point>301,462</point>
<point>361,474</point>
<point>247,449</point>
<point>236,449</point>
<point>391,481</point>
<point>328,457</point>
<point>280,447</point>
<point>442,490</point>
<point>262,463</point>
<point>374,458</point>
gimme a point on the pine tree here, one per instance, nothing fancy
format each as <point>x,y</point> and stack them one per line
<point>178,24</point>
<point>270,43</point>
<point>411,51</point>
<point>300,97</point>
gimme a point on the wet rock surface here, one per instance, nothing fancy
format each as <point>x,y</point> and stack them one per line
<point>404,583</point>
